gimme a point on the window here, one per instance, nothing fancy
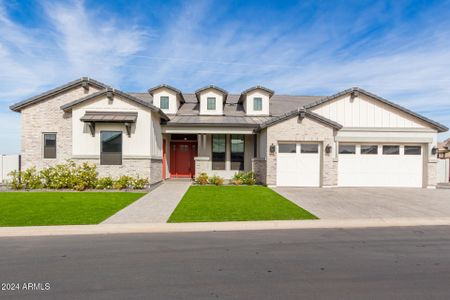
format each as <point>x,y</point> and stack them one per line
<point>347,149</point>
<point>211,103</point>
<point>49,145</point>
<point>237,142</point>
<point>369,149</point>
<point>391,150</point>
<point>309,148</point>
<point>413,150</point>
<point>257,104</point>
<point>218,152</point>
<point>111,148</point>
<point>287,148</point>
<point>164,102</point>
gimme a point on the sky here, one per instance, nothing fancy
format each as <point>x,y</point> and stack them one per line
<point>399,50</point>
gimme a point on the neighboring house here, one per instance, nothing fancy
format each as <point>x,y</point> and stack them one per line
<point>353,138</point>
<point>444,149</point>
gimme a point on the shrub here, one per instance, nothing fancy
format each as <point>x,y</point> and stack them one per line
<point>105,183</point>
<point>60,176</point>
<point>139,183</point>
<point>237,178</point>
<point>249,178</point>
<point>15,182</point>
<point>216,180</point>
<point>85,177</point>
<point>123,182</point>
<point>202,179</point>
<point>31,179</point>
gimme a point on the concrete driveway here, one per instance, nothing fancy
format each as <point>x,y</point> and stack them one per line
<point>360,203</point>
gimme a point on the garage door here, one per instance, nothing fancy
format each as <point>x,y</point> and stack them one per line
<point>298,164</point>
<point>380,165</point>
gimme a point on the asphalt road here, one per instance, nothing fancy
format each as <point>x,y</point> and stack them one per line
<point>385,263</point>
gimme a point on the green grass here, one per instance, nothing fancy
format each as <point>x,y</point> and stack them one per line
<point>61,208</point>
<point>235,203</point>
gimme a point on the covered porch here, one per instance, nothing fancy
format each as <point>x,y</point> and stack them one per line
<point>188,152</point>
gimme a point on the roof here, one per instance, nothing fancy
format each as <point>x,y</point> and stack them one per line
<point>177,91</point>
<point>258,87</point>
<point>69,105</point>
<point>438,126</point>
<point>41,97</point>
<point>224,92</point>
<point>444,144</point>
<point>217,121</point>
<point>110,117</point>
<point>298,112</point>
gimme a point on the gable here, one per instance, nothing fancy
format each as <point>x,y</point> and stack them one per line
<point>365,111</point>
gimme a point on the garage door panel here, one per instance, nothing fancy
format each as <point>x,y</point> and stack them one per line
<point>380,170</point>
<point>298,169</point>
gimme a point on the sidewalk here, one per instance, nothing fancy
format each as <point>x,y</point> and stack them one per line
<point>155,207</point>
<point>216,226</point>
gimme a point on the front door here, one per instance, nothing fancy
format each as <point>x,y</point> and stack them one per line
<point>182,155</point>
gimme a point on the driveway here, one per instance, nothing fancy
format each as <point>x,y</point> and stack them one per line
<point>361,203</point>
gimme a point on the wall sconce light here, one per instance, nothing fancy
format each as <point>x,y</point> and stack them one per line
<point>328,149</point>
<point>434,151</point>
<point>272,149</point>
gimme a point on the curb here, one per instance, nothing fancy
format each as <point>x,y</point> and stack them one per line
<point>216,226</point>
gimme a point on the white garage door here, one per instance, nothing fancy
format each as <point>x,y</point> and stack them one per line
<point>380,165</point>
<point>298,164</point>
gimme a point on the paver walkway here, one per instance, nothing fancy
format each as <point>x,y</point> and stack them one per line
<point>155,207</point>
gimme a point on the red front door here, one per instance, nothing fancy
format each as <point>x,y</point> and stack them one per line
<point>182,163</point>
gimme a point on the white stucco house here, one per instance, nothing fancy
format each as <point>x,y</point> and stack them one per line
<point>352,138</point>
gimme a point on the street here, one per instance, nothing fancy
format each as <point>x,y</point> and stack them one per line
<point>377,263</point>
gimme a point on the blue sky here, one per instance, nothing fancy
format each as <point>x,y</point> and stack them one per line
<point>399,50</point>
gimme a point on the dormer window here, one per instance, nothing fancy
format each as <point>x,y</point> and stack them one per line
<point>257,104</point>
<point>164,102</point>
<point>211,103</point>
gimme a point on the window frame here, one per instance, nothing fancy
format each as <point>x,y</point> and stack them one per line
<point>242,161</point>
<point>285,144</point>
<point>102,160</point>
<point>44,146</point>
<point>215,163</point>
<point>412,146</point>
<point>161,98</point>
<point>208,103</point>
<point>368,145</point>
<point>384,151</point>
<point>260,102</point>
<point>347,153</point>
<point>316,150</point>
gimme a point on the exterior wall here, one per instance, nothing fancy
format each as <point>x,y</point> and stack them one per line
<point>174,102</point>
<point>155,136</point>
<point>305,130</point>
<point>364,111</point>
<point>155,170</point>
<point>248,103</point>
<point>205,153</point>
<point>136,145</point>
<point>131,167</point>
<point>203,102</point>
<point>259,167</point>
<point>47,116</point>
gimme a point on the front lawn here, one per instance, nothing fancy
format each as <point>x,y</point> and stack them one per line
<point>61,208</point>
<point>235,203</point>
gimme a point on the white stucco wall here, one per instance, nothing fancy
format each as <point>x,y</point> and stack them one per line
<point>137,145</point>
<point>203,102</point>
<point>174,101</point>
<point>248,103</point>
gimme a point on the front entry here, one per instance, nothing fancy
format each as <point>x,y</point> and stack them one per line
<point>182,164</point>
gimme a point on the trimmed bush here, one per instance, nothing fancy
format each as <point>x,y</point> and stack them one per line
<point>105,183</point>
<point>216,180</point>
<point>202,179</point>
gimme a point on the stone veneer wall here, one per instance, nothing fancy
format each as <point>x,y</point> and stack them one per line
<point>307,130</point>
<point>47,116</point>
<point>155,170</point>
<point>202,164</point>
<point>131,167</point>
<point>259,167</point>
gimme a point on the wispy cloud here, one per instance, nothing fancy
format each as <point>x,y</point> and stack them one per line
<point>396,50</point>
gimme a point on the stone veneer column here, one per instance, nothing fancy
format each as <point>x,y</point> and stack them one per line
<point>259,167</point>
<point>202,165</point>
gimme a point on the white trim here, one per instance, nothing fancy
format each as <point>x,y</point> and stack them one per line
<point>207,130</point>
